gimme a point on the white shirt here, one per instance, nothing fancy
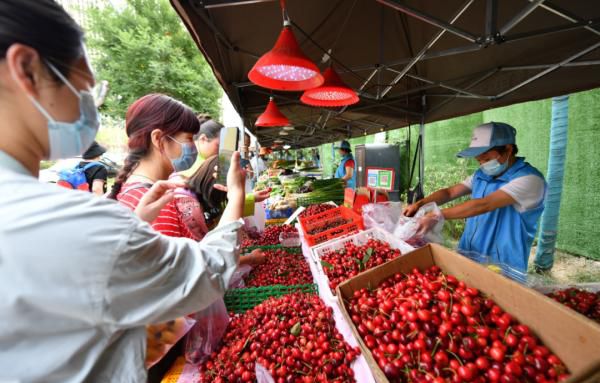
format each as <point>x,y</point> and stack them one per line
<point>527,191</point>
<point>81,276</point>
<point>258,165</point>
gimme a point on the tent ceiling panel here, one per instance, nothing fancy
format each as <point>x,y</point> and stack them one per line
<point>460,56</point>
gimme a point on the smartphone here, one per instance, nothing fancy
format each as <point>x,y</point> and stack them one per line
<point>229,141</point>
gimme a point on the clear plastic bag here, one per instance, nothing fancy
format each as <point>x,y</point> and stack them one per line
<point>206,334</point>
<point>262,374</point>
<point>382,215</point>
<point>411,230</point>
<point>237,280</point>
<point>163,336</point>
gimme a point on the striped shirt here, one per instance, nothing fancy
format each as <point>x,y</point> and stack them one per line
<point>169,221</point>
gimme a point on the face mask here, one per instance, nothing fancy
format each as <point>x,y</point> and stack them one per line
<point>188,156</point>
<point>68,139</point>
<point>493,167</point>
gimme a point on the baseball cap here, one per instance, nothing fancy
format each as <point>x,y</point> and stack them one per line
<point>95,150</point>
<point>488,136</point>
<point>344,145</point>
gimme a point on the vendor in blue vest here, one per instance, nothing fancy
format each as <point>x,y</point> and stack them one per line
<point>507,198</point>
<point>346,169</point>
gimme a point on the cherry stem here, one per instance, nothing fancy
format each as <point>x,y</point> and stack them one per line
<point>456,357</point>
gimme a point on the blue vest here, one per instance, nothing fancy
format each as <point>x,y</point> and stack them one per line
<point>503,234</point>
<point>341,172</point>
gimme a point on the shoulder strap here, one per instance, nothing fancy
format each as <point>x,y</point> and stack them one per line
<point>91,165</point>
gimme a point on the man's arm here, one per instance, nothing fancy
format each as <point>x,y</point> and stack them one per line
<point>98,187</point>
<point>349,173</point>
<point>471,208</point>
<point>440,197</point>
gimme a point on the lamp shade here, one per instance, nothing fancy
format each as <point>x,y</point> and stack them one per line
<point>285,67</point>
<point>272,116</point>
<point>332,93</point>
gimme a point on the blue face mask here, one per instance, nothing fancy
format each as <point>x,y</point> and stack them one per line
<point>188,156</point>
<point>68,139</point>
<point>493,167</point>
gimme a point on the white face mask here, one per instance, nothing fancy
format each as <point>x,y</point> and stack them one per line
<point>68,139</point>
<point>493,167</point>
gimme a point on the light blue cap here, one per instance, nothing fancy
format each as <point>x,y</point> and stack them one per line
<point>488,136</point>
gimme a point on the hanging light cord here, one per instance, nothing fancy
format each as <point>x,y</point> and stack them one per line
<point>325,51</point>
<point>284,14</point>
<point>342,28</point>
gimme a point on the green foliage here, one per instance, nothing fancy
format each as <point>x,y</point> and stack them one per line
<point>145,49</point>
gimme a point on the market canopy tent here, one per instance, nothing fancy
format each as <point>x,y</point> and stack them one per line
<point>410,61</point>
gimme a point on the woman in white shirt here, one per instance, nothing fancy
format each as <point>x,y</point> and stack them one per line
<point>81,276</point>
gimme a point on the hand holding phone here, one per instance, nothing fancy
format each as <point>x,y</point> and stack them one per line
<point>229,140</point>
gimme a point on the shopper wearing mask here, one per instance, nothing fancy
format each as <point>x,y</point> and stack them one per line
<point>208,141</point>
<point>507,198</point>
<point>81,276</point>
<point>160,130</point>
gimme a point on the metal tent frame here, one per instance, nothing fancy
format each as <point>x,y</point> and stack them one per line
<point>395,93</point>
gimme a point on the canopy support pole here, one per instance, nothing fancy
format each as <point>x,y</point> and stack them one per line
<point>422,143</point>
<point>544,257</point>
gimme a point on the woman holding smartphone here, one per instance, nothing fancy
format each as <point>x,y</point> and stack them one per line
<point>80,276</point>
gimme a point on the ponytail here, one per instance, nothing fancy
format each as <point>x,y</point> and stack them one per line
<point>131,163</point>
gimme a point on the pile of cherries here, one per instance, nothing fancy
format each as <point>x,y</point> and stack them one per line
<point>352,260</point>
<point>293,337</point>
<point>584,302</point>
<point>332,224</point>
<point>280,268</point>
<point>431,327</point>
<point>269,237</point>
<point>316,209</point>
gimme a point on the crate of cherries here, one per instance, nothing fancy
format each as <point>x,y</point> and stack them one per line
<point>330,224</point>
<point>427,326</point>
<point>269,237</point>
<point>583,298</point>
<point>293,338</point>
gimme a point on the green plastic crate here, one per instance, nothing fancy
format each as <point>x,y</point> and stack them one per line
<point>294,250</point>
<point>307,201</point>
<point>241,300</point>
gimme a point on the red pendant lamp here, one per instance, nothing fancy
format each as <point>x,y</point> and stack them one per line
<point>332,93</point>
<point>272,117</point>
<point>285,67</point>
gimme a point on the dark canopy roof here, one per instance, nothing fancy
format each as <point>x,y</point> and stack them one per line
<point>409,59</point>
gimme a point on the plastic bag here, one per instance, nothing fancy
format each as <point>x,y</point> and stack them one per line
<point>498,267</point>
<point>206,334</point>
<point>382,215</point>
<point>262,374</point>
<point>408,228</point>
<point>163,336</point>
<point>237,280</point>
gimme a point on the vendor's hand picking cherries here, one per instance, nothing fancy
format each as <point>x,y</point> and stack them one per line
<point>431,327</point>
<point>294,337</point>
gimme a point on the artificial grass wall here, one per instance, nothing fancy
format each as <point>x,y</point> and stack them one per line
<point>580,207</point>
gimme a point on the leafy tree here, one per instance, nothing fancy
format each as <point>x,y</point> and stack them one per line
<point>144,48</point>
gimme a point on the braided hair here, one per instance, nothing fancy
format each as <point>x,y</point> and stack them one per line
<point>153,111</point>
